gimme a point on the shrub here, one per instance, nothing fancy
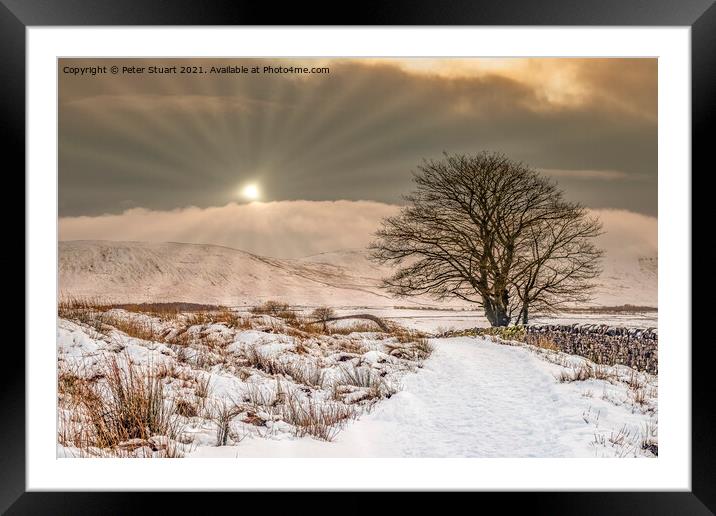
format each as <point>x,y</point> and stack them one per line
<point>71,307</point>
<point>322,314</point>
<point>517,333</point>
<point>406,336</point>
<point>273,308</point>
<point>198,319</point>
<point>219,316</point>
<point>399,351</point>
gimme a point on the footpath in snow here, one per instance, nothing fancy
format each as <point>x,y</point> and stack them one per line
<point>475,398</point>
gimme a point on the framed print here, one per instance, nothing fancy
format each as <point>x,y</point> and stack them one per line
<point>435,250</point>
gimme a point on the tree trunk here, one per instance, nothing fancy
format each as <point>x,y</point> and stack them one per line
<point>489,311</point>
<point>525,310</point>
<point>501,317</point>
<point>496,312</point>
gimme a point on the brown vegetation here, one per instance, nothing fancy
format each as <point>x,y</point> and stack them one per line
<point>127,403</point>
<point>122,409</point>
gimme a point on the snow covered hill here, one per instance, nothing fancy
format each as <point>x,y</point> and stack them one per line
<point>628,280</point>
<point>153,272</point>
<point>200,273</point>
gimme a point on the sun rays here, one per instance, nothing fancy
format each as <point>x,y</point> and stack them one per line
<point>167,142</point>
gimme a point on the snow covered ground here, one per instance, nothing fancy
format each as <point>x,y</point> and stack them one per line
<point>471,397</point>
<point>440,321</point>
<point>476,398</point>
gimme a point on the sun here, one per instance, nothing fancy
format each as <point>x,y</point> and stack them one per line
<point>250,191</point>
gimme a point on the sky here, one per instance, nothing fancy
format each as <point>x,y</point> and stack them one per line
<point>169,156</point>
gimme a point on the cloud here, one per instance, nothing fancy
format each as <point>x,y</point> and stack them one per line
<point>621,84</point>
<point>288,229</point>
<point>604,175</point>
<point>291,229</point>
<point>628,234</point>
<point>147,104</point>
<point>356,133</point>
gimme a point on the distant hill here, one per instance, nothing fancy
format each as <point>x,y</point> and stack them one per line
<point>201,273</point>
<point>628,281</point>
<point>143,272</point>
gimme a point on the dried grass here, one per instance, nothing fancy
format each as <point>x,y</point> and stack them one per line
<point>262,361</point>
<point>222,415</point>
<point>320,420</point>
<point>127,403</point>
<point>356,327</point>
<point>364,377</point>
<point>185,407</point>
<point>417,348</point>
<point>585,372</point>
<point>305,372</point>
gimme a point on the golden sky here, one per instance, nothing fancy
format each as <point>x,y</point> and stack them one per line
<point>166,142</point>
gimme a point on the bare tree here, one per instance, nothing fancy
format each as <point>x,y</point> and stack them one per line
<point>323,314</point>
<point>492,231</point>
<point>557,263</point>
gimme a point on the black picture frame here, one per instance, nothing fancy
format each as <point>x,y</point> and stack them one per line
<point>17,15</point>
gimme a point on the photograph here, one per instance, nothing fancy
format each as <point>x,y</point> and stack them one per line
<point>336,257</point>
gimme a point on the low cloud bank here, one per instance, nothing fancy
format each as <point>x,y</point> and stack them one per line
<point>291,229</point>
<point>628,234</point>
<point>286,229</point>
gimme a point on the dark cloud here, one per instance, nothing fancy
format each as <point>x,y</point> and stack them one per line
<point>167,141</point>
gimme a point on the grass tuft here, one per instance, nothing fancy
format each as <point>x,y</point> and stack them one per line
<point>126,403</point>
<point>585,372</point>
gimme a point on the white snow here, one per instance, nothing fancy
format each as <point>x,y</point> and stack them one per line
<point>471,398</point>
<point>440,321</point>
<point>476,398</point>
<point>198,273</point>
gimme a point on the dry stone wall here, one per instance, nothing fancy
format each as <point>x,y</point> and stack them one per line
<point>602,344</point>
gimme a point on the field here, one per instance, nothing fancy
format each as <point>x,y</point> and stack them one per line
<point>438,320</point>
<point>184,380</point>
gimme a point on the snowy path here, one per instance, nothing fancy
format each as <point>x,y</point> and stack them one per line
<point>473,398</point>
